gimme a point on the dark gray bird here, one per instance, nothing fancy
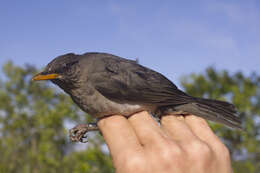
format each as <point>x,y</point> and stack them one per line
<point>102,84</point>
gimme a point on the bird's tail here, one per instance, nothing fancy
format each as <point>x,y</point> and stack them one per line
<point>214,110</point>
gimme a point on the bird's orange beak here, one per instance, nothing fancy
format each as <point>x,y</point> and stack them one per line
<point>41,76</point>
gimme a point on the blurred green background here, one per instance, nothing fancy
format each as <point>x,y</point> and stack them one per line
<point>34,116</point>
<point>190,42</point>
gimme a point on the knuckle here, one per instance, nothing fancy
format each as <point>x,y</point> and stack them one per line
<point>206,152</point>
<point>166,155</point>
<point>170,155</point>
<point>135,163</point>
<point>199,149</point>
<point>222,151</point>
<point>176,152</point>
<point>111,121</point>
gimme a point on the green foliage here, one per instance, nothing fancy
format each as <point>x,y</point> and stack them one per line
<point>244,92</point>
<point>33,117</point>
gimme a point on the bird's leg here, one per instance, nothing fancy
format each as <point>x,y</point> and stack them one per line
<point>78,133</point>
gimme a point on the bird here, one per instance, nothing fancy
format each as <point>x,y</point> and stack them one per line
<point>103,84</point>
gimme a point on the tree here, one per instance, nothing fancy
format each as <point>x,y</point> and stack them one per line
<point>33,136</point>
<point>244,92</point>
<point>34,116</point>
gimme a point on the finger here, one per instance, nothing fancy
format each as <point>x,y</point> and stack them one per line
<point>176,127</point>
<point>119,135</point>
<point>202,130</point>
<point>147,129</point>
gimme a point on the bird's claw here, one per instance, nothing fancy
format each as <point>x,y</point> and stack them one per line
<point>79,132</point>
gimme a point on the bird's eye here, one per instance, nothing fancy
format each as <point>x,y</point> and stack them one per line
<point>67,67</point>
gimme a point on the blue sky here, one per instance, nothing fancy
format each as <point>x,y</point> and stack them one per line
<point>174,37</point>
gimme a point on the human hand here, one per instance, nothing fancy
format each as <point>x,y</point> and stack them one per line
<point>181,144</point>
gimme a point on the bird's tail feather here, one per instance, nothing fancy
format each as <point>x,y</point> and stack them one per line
<point>214,110</point>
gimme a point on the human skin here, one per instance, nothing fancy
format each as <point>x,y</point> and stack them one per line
<point>181,144</point>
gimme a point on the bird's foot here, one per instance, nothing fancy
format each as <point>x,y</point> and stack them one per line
<point>78,133</point>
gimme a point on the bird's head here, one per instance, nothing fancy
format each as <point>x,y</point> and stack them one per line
<point>63,71</point>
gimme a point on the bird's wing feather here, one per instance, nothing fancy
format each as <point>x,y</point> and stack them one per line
<point>126,81</point>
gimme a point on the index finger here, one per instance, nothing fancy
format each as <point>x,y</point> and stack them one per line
<point>119,135</point>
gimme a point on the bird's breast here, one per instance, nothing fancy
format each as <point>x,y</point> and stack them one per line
<point>98,106</point>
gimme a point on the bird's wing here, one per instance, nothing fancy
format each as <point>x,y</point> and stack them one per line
<point>126,81</point>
